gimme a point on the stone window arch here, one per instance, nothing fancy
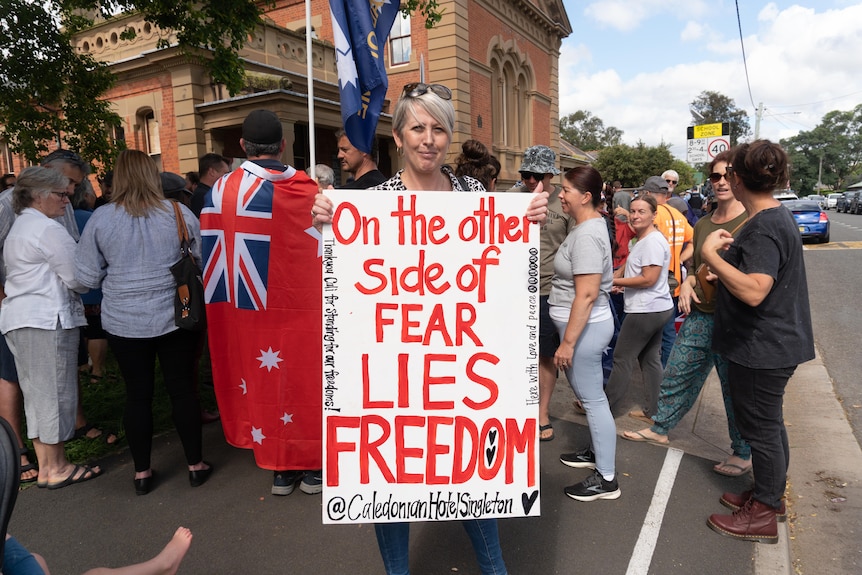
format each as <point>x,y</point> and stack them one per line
<point>512,84</point>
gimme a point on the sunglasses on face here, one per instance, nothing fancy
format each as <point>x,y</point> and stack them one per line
<point>532,176</point>
<point>416,89</point>
<point>670,181</point>
<point>715,177</point>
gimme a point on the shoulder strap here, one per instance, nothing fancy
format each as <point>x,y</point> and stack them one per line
<point>182,230</point>
<point>464,186</point>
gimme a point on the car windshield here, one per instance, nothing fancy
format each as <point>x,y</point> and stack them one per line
<point>835,196</point>
<point>800,206</point>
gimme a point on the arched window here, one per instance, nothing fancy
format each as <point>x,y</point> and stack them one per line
<point>511,84</point>
<point>151,134</point>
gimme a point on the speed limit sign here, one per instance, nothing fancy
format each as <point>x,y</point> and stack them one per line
<point>717,146</point>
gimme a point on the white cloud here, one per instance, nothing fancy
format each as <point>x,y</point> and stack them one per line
<point>802,63</point>
<point>626,15</point>
<point>692,31</point>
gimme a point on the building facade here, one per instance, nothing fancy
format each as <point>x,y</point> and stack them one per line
<point>500,58</point>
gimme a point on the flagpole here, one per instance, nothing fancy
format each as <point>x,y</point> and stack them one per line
<point>310,72</point>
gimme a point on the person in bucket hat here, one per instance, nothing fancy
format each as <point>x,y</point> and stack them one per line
<point>539,165</point>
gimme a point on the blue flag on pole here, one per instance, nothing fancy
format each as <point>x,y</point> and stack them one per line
<point>361,28</point>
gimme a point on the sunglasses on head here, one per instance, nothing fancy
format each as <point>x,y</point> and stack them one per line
<point>715,177</point>
<point>538,176</point>
<point>416,89</point>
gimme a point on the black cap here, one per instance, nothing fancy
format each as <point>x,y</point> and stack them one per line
<point>172,184</point>
<point>262,127</point>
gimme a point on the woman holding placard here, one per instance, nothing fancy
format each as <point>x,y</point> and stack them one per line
<point>422,125</point>
<point>580,308</point>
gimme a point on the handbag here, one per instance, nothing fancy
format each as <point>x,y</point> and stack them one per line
<point>707,287</point>
<point>189,310</point>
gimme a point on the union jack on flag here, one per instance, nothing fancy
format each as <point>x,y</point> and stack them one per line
<point>236,260</point>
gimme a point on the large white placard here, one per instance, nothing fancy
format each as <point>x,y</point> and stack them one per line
<point>430,329</point>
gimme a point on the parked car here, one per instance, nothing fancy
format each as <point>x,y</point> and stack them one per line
<point>843,204</point>
<point>817,198</point>
<point>785,195</point>
<point>812,220</point>
<point>832,201</point>
<point>855,206</point>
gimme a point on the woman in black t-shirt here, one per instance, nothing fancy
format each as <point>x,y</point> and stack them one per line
<point>763,329</point>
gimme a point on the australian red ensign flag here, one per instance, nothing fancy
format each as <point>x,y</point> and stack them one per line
<point>361,28</point>
<point>262,281</point>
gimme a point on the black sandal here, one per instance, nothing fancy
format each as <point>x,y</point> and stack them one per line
<point>104,436</point>
<point>29,466</point>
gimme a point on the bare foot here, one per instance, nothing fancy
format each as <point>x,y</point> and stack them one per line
<point>169,559</point>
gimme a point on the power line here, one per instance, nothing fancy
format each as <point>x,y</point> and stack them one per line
<point>744,61</point>
<point>821,101</point>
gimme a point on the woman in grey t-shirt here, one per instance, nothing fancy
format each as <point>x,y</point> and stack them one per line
<point>579,307</point>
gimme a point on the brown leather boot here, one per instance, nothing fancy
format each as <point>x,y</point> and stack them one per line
<point>754,521</point>
<point>735,501</point>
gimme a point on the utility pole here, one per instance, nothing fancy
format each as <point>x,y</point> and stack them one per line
<point>757,116</point>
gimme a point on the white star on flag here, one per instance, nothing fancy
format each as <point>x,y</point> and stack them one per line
<point>243,386</point>
<point>287,418</point>
<point>344,56</point>
<point>313,232</point>
<point>269,359</point>
<point>257,435</point>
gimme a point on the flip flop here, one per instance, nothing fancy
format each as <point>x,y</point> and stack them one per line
<point>86,475</point>
<point>639,437</point>
<point>740,470</point>
<point>544,428</point>
<point>29,466</point>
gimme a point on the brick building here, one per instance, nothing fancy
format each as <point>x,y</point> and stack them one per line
<point>499,57</point>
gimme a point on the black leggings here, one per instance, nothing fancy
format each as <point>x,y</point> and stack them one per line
<point>137,361</point>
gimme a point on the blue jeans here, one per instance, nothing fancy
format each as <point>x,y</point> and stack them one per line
<point>18,561</point>
<point>585,376</point>
<point>668,334</point>
<point>394,541</point>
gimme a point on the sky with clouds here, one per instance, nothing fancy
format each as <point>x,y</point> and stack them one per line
<point>638,64</point>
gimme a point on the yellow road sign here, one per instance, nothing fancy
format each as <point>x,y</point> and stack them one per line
<point>708,130</point>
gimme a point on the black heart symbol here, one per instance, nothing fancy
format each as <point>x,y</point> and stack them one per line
<point>492,435</point>
<point>489,453</point>
<point>527,501</point>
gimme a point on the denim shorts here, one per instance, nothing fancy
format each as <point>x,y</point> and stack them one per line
<point>18,561</point>
<point>549,339</point>
<point>7,362</point>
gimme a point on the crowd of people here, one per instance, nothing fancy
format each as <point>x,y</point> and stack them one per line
<point>616,270</point>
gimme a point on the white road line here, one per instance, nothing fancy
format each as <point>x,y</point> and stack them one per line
<point>644,548</point>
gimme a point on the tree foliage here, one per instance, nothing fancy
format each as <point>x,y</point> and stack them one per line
<point>632,165</point>
<point>715,107</point>
<point>50,92</point>
<point>47,90</point>
<point>838,141</point>
<point>588,132</point>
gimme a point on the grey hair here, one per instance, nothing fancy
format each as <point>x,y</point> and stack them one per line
<point>82,192</point>
<point>253,150</point>
<point>441,110</point>
<point>66,157</point>
<point>324,174</point>
<point>670,173</point>
<point>35,182</point>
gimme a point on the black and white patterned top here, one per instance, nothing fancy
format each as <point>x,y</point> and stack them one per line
<point>397,184</point>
